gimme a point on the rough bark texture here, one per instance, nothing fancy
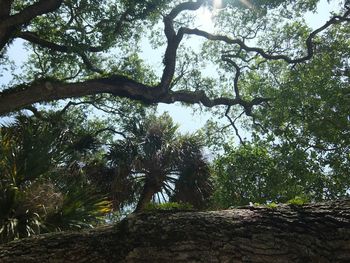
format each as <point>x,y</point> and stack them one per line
<point>45,91</point>
<point>10,23</point>
<point>309,233</point>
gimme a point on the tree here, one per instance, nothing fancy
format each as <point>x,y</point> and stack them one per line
<point>73,47</point>
<point>153,162</point>
<point>42,188</point>
<point>68,37</point>
<point>255,173</point>
<point>262,61</point>
<point>56,171</point>
<point>300,142</point>
<point>293,233</point>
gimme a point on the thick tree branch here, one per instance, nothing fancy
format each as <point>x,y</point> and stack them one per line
<point>10,24</point>
<point>39,8</point>
<point>311,233</point>
<point>174,40</point>
<point>5,8</point>
<point>46,90</point>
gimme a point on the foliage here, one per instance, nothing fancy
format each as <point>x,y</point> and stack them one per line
<point>302,131</point>
<point>153,161</point>
<point>297,201</point>
<point>169,206</point>
<point>272,205</point>
<point>41,185</point>
<point>261,66</point>
<point>252,173</point>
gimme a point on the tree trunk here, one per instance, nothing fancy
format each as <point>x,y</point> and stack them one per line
<point>308,233</point>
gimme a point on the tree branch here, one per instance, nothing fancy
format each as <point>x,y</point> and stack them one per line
<point>47,90</point>
<point>174,40</point>
<point>237,75</point>
<point>30,12</point>
<point>5,8</point>
<point>89,64</point>
<point>9,24</point>
<point>262,52</point>
<point>310,233</point>
<point>233,124</point>
<point>34,38</point>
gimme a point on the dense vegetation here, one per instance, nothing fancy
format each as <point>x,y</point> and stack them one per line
<point>81,142</point>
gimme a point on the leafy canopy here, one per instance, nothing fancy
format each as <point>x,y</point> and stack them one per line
<point>260,66</point>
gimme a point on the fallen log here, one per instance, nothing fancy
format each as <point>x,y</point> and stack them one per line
<point>286,233</point>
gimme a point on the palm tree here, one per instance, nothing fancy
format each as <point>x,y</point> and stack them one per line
<point>41,187</point>
<point>193,184</point>
<point>155,163</point>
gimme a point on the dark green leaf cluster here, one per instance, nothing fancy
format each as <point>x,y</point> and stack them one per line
<point>170,206</point>
<point>41,184</point>
<point>254,173</point>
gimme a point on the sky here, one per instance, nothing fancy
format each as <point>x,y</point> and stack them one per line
<point>188,121</point>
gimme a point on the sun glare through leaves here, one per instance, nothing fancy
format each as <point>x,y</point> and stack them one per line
<point>217,4</point>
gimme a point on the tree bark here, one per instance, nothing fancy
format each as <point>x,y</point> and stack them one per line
<point>308,233</point>
<point>46,90</point>
<point>10,23</point>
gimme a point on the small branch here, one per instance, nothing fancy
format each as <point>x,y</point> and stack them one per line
<point>264,54</point>
<point>111,130</point>
<point>34,38</point>
<point>258,124</point>
<point>237,75</point>
<point>69,104</point>
<point>180,76</point>
<point>319,147</point>
<point>35,112</point>
<point>89,64</point>
<point>233,123</point>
